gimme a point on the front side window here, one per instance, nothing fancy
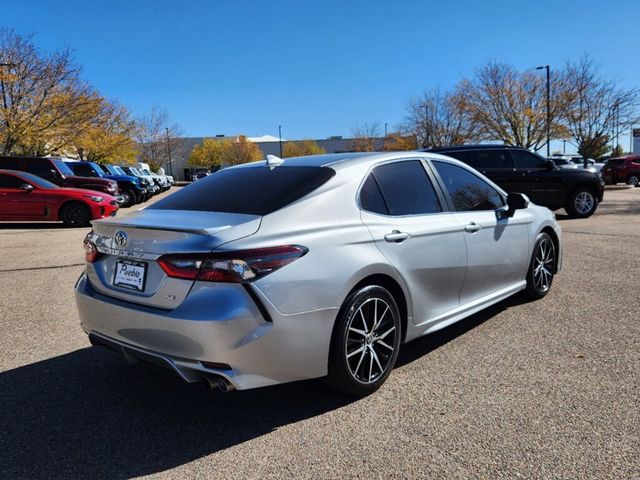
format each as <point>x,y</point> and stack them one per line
<point>405,189</point>
<point>468,192</point>
<point>527,160</point>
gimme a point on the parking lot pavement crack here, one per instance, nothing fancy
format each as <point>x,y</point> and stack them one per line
<point>27,269</point>
<point>598,233</point>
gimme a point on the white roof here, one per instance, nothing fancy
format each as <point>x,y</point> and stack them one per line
<point>264,138</point>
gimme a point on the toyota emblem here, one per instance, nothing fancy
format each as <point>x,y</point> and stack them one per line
<point>121,238</point>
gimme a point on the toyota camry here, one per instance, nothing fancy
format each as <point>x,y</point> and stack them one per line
<point>308,267</point>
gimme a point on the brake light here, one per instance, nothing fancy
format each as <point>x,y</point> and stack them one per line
<point>91,253</point>
<point>230,267</point>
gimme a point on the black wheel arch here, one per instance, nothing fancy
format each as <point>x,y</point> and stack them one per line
<point>72,201</point>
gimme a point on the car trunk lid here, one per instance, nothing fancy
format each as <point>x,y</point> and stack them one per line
<point>132,244</point>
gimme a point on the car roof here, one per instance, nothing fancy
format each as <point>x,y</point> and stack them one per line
<point>347,160</point>
<point>478,146</point>
<point>11,172</point>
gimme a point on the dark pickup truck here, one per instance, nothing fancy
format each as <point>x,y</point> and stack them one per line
<point>517,169</point>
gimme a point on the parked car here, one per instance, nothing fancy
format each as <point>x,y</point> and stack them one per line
<point>200,175</point>
<point>169,178</point>
<point>572,160</point>
<point>151,186</point>
<point>160,180</point>
<point>622,169</point>
<point>129,186</point>
<point>517,169</point>
<point>319,266</point>
<point>25,197</point>
<point>56,171</point>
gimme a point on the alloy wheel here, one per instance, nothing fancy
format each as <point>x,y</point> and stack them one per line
<point>584,202</point>
<point>370,340</point>
<point>543,265</point>
<point>633,180</point>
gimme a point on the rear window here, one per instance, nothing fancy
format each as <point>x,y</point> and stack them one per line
<point>615,162</point>
<point>252,190</point>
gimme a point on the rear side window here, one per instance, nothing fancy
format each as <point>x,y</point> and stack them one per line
<point>9,181</point>
<point>488,159</point>
<point>468,192</point>
<point>371,197</point>
<point>405,188</point>
<point>248,190</point>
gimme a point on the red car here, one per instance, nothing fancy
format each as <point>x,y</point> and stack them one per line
<point>24,196</point>
<point>622,169</point>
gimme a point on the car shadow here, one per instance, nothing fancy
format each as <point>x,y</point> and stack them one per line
<point>32,225</point>
<point>89,414</point>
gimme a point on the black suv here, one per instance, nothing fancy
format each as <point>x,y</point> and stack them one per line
<point>516,169</point>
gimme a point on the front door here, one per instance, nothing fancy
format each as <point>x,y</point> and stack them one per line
<point>497,249</point>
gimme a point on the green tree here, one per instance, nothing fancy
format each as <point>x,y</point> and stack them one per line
<point>301,148</point>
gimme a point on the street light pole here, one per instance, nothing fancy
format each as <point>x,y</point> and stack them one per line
<point>280,137</point>
<point>169,151</point>
<point>426,126</point>
<point>546,67</point>
<point>385,130</point>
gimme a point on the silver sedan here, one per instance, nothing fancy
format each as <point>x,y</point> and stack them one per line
<point>310,267</point>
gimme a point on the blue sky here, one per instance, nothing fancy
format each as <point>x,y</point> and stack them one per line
<point>317,68</point>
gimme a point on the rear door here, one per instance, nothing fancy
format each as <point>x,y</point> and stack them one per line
<point>497,249</point>
<point>405,215</point>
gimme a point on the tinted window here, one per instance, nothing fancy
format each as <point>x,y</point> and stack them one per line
<point>488,159</point>
<point>526,159</point>
<point>41,168</point>
<point>9,181</point>
<point>82,169</point>
<point>371,197</point>
<point>468,191</point>
<point>466,156</point>
<point>251,190</point>
<point>406,188</point>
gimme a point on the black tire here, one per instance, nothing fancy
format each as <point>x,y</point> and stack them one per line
<point>132,199</point>
<point>361,359</point>
<point>75,214</point>
<point>542,267</point>
<point>581,203</point>
<point>634,179</point>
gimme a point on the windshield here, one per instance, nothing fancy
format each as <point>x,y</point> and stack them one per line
<point>120,171</point>
<point>98,169</point>
<point>37,181</point>
<point>62,167</point>
<point>145,172</point>
<point>561,161</point>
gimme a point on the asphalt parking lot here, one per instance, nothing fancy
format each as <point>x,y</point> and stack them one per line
<point>549,389</point>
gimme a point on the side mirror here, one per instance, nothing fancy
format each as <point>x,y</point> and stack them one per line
<point>550,165</point>
<point>26,187</point>
<point>516,201</point>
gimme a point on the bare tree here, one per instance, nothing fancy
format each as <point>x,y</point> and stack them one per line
<point>367,138</point>
<point>597,106</point>
<point>510,106</point>
<point>157,139</point>
<point>436,119</point>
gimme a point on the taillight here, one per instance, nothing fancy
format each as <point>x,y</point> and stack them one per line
<point>230,267</point>
<point>91,253</point>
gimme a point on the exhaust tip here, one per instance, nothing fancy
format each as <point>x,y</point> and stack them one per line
<point>219,383</point>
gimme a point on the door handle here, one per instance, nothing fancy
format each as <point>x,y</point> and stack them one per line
<point>396,236</point>
<point>472,227</point>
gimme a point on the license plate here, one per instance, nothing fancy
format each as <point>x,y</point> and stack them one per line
<point>130,274</point>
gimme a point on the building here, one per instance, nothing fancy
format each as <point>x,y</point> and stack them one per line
<point>268,144</point>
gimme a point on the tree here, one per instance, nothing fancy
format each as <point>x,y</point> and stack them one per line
<point>367,138</point>
<point>596,106</point>
<point>44,103</point>
<point>209,154</point>
<point>394,142</point>
<point>301,148</point>
<point>507,105</point>
<point>108,137</point>
<point>156,138</point>
<point>436,119</point>
<point>240,151</point>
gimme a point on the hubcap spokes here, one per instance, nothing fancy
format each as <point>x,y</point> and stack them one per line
<point>543,265</point>
<point>371,339</point>
<point>584,202</point>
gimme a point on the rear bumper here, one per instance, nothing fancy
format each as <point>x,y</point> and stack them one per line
<point>219,324</point>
